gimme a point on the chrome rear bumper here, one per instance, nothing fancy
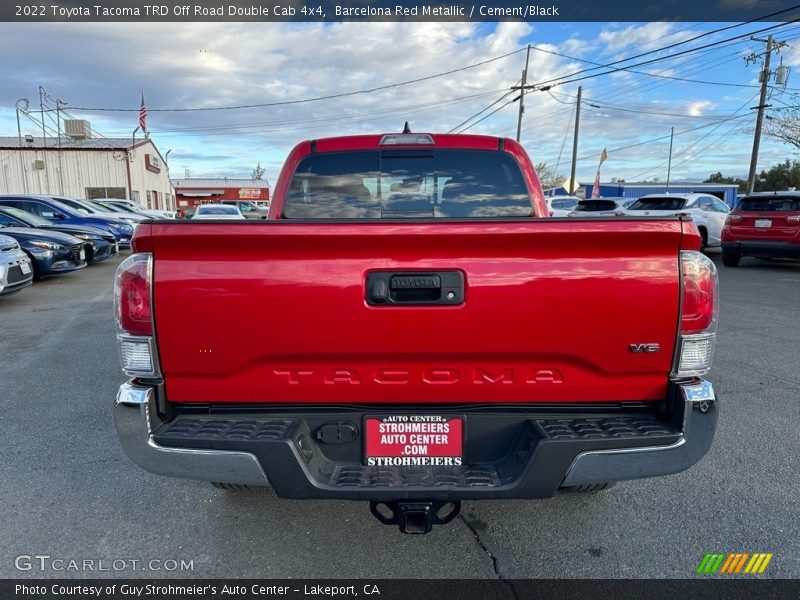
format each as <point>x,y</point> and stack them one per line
<point>136,419</point>
<point>539,476</point>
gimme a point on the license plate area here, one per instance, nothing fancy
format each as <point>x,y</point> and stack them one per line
<point>763,222</point>
<point>413,440</point>
<point>25,267</point>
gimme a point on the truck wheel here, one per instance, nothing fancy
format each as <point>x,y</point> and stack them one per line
<point>731,259</point>
<point>234,487</point>
<point>589,487</point>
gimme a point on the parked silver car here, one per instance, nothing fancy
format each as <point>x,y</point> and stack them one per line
<point>15,266</point>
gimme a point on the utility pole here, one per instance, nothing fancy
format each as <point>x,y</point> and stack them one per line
<point>669,164</point>
<point>765,75</point>
<point>522,93</point>
<point>575,142</point>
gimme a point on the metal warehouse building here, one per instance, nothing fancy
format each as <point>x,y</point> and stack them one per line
<point>193,191</point>
<point>81,166</point>
<point>725,192</point>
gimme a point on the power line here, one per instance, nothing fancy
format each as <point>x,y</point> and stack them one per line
<point>315,99</point>
<point>483,110</point>
<point>565,79</point>
<point>490,114</point>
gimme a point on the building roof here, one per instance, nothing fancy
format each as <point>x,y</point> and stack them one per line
<point>224,182</point>
<point>661,184</point>
<point>12,142</point>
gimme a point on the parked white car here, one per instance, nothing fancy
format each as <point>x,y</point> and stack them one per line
<point>599,207</point>
<point>560,206</point>
<point>707,211</point>
<point>218,211</point>
<point>132,206</point>
<point>16,271</point>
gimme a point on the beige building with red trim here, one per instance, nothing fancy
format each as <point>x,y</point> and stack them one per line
<point>86,167</point>
<point>190,192</point>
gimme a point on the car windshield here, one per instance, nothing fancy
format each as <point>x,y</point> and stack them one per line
<point>217,210</point>
<point>426,182</point>
<point>665,203</point>
<point>76,205</point>
<point>25,216</point>
<point>106,207</point>
<point>770,203</point>
<point>595,205</point>
<point>118,207</point>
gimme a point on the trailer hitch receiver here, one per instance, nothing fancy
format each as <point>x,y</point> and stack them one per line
<point>415,517</point>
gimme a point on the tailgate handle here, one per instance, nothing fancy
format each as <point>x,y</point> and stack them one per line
<point>391,288</point>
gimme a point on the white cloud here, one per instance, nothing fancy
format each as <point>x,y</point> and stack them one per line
<point>696,108</point>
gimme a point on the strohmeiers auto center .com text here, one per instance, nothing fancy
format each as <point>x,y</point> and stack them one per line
<point>521,12</point>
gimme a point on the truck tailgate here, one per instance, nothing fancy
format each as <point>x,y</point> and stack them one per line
<point>275,312</point>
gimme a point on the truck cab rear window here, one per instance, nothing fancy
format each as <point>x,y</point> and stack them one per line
<point>422,183</point>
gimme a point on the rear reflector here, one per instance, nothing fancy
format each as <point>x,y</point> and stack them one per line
<point>698,323</point>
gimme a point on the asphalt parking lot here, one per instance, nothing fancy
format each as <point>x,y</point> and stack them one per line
<point>67,490</point>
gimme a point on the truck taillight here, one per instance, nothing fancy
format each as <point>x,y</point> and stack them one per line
<point>133,304</point>
<point>698,322</point>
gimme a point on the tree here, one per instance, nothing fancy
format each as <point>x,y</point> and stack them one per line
<point>548,176</point>
<point>784,125</point>
<point>779,177</point>
<point>718,177</point>
<point>258,173</point>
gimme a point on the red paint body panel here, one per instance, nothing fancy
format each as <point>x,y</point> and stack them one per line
<point>275,311</point>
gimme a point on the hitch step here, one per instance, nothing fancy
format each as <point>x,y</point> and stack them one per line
<point>415,518</point>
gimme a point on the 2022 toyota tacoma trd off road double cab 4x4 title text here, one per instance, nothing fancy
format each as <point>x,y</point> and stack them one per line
<point>430,335</point>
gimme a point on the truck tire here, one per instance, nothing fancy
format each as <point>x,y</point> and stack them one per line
<point>590,487</point>
<point>731,259</point>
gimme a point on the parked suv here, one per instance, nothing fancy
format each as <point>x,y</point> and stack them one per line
<point>763,225</point>
<point>15,267</point>
<point>707,211</point>
<point>248,209</point>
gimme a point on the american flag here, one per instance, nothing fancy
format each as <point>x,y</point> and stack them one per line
<point>143,115</point>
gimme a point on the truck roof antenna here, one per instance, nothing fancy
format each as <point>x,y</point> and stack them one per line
<point>406,128</point>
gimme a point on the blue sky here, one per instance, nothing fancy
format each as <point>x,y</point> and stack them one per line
<point>196,65</point>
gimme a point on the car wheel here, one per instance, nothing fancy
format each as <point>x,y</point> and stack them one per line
<point>590,487</point>
<point>731,259</point>
<point>704,239</point>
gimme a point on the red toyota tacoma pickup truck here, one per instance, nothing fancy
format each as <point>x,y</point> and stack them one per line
<point>426,335</point>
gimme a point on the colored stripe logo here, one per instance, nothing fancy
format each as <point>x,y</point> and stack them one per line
<point>734,563</point>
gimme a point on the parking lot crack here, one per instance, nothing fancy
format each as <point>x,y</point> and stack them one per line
<point>492,557</point>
